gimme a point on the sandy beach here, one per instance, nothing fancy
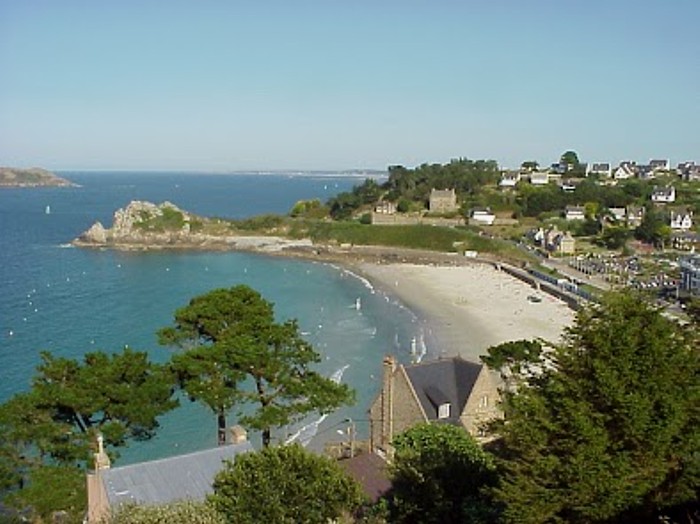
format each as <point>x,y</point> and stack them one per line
<point>468,308</point>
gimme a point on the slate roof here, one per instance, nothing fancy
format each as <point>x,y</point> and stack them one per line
<point>600,167</point>
<point>184,477</point>
<point>445,380</point>
<point>370,471</point>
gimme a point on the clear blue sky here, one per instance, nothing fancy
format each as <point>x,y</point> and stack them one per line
<point>332,84</point>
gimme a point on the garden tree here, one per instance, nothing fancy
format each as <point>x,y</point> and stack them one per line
<point>570,158</point>
<point>587,227</point>
<point>285,484</point>
<point>440,474</point>
<point>614,237</point>
<point>536,200</point>
<point>236,355</point>
<point>608,430</point>
<point>653,228</point>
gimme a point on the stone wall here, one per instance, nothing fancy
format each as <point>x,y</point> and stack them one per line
<point>412,220</point>
<point>482,404</point>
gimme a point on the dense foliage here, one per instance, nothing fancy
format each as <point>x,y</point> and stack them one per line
<point>440,475</point>
<point>654,228</point>
<point>48,433</point>
<point>235,355</point>
<point>405,186</point>
<point>606,428</point>
<point>284,484</point>
<point>185,512</point>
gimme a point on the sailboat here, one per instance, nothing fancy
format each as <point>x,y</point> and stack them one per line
<point>48,210</point>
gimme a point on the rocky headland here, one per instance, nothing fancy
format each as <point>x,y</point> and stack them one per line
<point>32,177</point>
<point>148,226</point>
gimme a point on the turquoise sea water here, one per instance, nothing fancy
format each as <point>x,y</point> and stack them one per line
<point>71,301</point>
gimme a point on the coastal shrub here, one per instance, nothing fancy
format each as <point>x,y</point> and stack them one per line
<point>309,209</point>
<point>196,226</point>
<point>169,220</point>
<point>260,223</point>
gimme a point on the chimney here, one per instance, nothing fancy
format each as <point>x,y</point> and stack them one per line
<point>238,434</point>
<point>101,459</point>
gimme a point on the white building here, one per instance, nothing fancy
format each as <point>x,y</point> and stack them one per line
<point>682,221</point>
<point>664,194</point>
<point>483,217</point>
<point>575,213</point>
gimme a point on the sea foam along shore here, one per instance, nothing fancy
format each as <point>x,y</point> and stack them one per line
<point>468,308</point>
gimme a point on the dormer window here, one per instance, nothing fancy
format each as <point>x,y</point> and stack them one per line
<point>444,411</point>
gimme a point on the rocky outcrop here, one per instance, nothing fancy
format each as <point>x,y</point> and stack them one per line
<point>33,177</point>
<point>146,226</point>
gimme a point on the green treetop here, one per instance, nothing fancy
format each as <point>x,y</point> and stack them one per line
<point>440,475</point>
<point>236,355</point>
<point>607,428</point>
<point>284,484</point>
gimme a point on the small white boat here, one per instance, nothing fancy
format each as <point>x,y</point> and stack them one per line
<point>48,210</point>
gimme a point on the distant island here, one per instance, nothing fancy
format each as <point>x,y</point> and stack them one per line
<point>32,177</point>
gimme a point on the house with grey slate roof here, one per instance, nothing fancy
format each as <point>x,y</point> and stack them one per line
<point>157,482</point>
<point>445,391</point>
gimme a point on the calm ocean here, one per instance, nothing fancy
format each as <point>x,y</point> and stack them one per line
<point>71,301</point>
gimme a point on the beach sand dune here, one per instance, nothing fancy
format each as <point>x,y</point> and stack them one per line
<point>469,308</point>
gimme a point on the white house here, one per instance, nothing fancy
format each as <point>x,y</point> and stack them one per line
<point>385,207</point>
<point>624,171</point>
<point>618,213</point>
<point>635,215</point>
<point>510,178</point>
<point>600,168</point>
<point>681,220</point>
<point>539,178</point>
<point>482,217</point>
<point>660,164</point>
<point>575,213</point>
<point>664,194</point>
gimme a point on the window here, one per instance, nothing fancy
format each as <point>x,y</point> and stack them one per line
<point>444,411</point>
